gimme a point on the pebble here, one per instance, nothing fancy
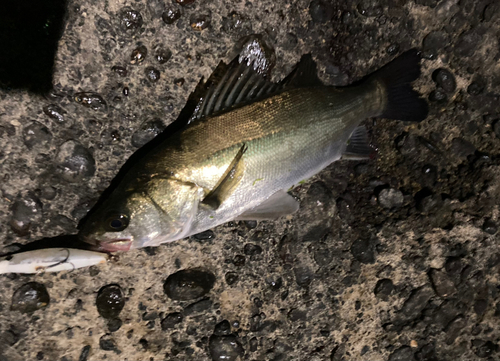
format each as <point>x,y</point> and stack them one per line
<point>54,112</point>
<point>476,87</point>
<point>454,328</point>
<point>84,354</point>
<point>496,127</point>
<point>26,210</point>
<point>462,148</point>
<point>75,162</point>
<point>467,43</point>
<point>322,256</point>
<point>107,343</point>
<point>204,236</point>
<point>239,260</point>
<point>383,288</point>
<point>30,297</point>
<point>110,301</point>
<point>445,79</point>
<point>363,251</point>
<point>426,201</point>
<point>231,278</point>
<point>200,21</point>
<point>36,135</point>
<point>484,349</point>
<point>403,353</point>
<point>490,11</point>
<point>114,324</point>
<point>198,307</point>
<point>188,284</point>
<point>250,224</point>
<point>171,15</point>
<point>172,319</point>
<point>317,233</point>
<point>152,74</point>
<point>223,328</point>
<point>138,55</point>
<point>184,2</point>
<point>130,19</point>
<point>303,275</point>
<point>369,8</point>
<point>227,348</point>
<point>433,44</point>
<point>321,11</point>
<point>489,226</point>
<point>297,315</point>
<point>48,192</point>
<point>390,198</point>
<point>442,284</point>
<point>254,344</point>
<point>146,132</point>
<point>256,51</point>
<point>162,55</point>
<point>480,307</point>
<point>91,100</point>
<point>438,95</point>
<point>416,302</point>
<point>251,249</point>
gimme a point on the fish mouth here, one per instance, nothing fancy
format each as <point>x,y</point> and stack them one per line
<point>119,245</point>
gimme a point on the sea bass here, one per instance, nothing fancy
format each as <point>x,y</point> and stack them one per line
<point>247,142</point>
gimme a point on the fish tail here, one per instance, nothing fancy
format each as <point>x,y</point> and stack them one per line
<point>402,102</point>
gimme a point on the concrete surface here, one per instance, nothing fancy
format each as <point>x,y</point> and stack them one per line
<point>397,258</point>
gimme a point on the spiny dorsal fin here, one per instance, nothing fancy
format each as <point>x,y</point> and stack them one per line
<point>236,83</point>
<point>304,75</point>
<point>229,86</point>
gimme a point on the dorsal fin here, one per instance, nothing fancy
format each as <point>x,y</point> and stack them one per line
<point>304,75</point>
<point>236,83</point>
<point>229,86</point>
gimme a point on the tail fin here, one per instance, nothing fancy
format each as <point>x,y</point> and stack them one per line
<point>403,103</point>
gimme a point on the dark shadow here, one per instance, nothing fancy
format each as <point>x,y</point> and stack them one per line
<point>70,241</point>
<point>29,34</point>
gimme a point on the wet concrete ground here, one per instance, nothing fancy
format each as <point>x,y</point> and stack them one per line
<point>396,258</point>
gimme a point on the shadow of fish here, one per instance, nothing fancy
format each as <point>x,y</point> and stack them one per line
<point>247,141</point>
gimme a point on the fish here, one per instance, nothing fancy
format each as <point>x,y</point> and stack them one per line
<point>50,260</point>
<point>246,142</point>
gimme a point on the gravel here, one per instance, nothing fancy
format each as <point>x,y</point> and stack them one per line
<point>392,258</point>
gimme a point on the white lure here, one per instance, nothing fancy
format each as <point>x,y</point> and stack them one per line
<point>50,260</point>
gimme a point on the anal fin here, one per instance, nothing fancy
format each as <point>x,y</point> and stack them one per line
<point>278,205</point>
<point>228,182</point>
<point>358,147</point>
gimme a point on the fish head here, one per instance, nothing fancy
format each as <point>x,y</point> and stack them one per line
<point>159,212</point>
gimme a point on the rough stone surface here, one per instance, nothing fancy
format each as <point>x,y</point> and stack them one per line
<point>348,277</point>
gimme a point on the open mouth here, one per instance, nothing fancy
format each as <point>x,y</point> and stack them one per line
<point>119,245</point>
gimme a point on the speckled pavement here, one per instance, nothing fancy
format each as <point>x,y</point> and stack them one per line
<point>396,258</point>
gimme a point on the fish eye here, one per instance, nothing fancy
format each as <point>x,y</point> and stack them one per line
<point>117,222</point>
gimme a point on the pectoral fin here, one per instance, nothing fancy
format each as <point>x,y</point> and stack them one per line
<point>358,147</point>
<point>278,205</point>
<point>229,181</point>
